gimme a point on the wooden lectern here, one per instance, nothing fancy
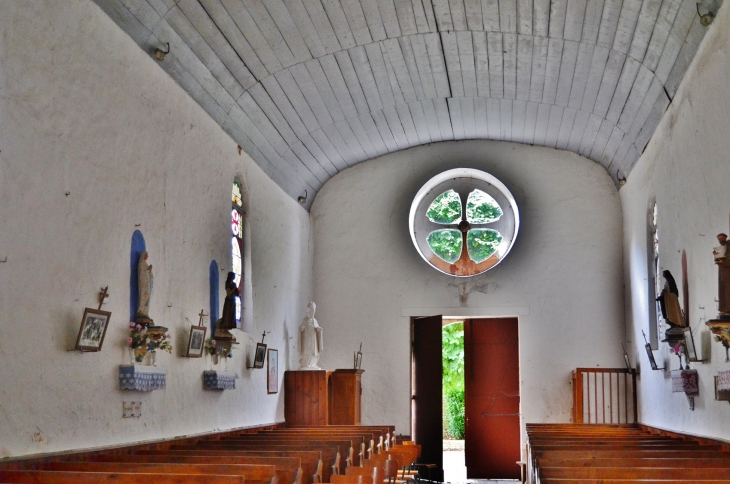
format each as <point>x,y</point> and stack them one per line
<point>345,397</point>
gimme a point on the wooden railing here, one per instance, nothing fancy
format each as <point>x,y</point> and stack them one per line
<point>604,396</point>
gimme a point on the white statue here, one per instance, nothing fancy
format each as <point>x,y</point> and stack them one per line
<point>145,281</point>
<point>311,340</point>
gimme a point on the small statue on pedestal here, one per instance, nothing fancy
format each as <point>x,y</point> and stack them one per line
<point>145,282</point>
<point>671,310</point>
<point>721,326</point>
<point>227,321</point>
<point>723,277</point>
<point>311,340</point>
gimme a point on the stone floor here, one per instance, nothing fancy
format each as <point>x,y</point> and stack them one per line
<point>455,470</point>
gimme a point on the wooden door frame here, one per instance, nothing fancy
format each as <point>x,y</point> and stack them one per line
<point>447,315</point>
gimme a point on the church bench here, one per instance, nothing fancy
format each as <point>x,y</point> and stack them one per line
<point>78,477</point>
<point>618,453</point>
<point>637,461</point>
<point>693,473</point>
<point>369,438</point>
<point>388,431</point>
<point>361,444</point>
<point>345,479</point>
<point>286,467</point>
<point>376,472</point>
<point>626,445</point>
<point>310,458</point>
<point>631,481</point>
<point>614,455</point>
<point>286,470</point>
<point>341,447</point>
<point>265,474</point>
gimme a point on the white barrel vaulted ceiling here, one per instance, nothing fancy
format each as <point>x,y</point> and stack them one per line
<point>310,87</point>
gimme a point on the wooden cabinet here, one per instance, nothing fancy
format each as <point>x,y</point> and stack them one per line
<point>345,397</point>
<point>306,397</point>
<point>322,397</point>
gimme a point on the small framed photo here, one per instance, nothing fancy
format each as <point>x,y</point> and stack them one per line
<point>272,378</point>
<point>689,344</point>
<point>626,358</point>
<point>92,330</point>
<point>196,341</point>
<point>721,395</point>
<point>650,354</point>
<point>259,356</point>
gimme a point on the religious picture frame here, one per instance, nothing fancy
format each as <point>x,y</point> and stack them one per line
<point>259,355</point>
<point>272,375</point>
<point>689,344</point>
<point>196,342</point>
<point>626,358</point>
<point>92,330</point>
<point>650,354</point>
<point>721,395</point>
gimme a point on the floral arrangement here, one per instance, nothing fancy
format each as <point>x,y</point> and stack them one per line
<point>212,348</point>
<point>678,348</point>
<point>141,342</point>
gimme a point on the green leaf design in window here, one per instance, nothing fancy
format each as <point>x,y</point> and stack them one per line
<point>446,209</point>
<point>446,244</point>
<point>482,243</point>
<point>482,208</point>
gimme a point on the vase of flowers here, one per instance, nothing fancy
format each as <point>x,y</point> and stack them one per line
<point>218,351</point>
<point>143,340</point>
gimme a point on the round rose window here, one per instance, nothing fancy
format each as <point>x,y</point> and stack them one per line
<point>463,222</point>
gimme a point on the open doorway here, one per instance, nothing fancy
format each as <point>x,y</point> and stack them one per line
<point>452,380</point>
<point>476,398</point>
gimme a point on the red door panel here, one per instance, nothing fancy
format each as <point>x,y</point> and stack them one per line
<point>492,399</point>
<point>426,390</point>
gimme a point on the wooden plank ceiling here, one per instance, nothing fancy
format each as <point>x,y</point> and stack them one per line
<point>310,87</point>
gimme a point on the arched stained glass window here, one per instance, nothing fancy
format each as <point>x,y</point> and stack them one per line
<point>237,243</point>
<point>463,222</point>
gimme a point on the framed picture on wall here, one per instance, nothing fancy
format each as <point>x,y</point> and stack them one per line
<point>259,356</point>
<point>272,378</point>
<point>92,330</point>
<point>650,354</point>
<point>196,341</point>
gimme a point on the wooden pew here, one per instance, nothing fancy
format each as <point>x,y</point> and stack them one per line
<point>346,442</point>
<point>252,473</point>
<point>621,454</point>
<point>76,477</point>
<point>688,473</point>
<point>334,447</point>
<point>310,458</point>
<point>255,469</point>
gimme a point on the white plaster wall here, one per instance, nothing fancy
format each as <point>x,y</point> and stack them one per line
<point>563,277</point>
<point>686,168</point>
<point>95,140</point>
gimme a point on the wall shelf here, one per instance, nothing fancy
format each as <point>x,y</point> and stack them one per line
<point>219,380</point>
<point>142,378</point>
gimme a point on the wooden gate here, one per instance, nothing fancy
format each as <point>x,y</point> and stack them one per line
<point>604,395</point>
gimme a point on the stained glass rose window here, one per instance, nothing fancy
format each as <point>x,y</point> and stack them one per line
<point>463,222</point>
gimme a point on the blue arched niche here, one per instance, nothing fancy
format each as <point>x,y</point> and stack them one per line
<point>214,295</point>
<point>138,246</point>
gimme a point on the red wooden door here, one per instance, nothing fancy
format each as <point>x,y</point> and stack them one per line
<point>426,390</point>
<point>492,399</point>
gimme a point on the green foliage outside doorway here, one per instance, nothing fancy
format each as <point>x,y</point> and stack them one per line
<point>452,344</point>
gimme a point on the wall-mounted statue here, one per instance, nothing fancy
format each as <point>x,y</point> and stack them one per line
<point>145,283</point>
<point>228,320</point>
<point>671,310</point>
<point>720,253</point>
<point>720,327</point>
<point>311,340</point>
